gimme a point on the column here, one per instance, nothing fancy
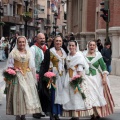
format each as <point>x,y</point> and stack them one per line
<point>69,6</point>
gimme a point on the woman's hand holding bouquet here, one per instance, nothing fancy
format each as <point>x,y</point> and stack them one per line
<point>9,76</point>
<point>50,78</point>
<point>75,83</point>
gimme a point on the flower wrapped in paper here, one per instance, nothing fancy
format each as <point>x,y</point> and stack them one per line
<point>50,78</point>
<point>75,83</point>
<point>9,76</point>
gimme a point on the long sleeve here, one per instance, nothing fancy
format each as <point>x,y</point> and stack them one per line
<point>33,52</point>
<point>102,65</point>
<point>10,62</point>
<point>32,65</point>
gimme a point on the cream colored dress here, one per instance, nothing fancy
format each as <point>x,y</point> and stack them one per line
<point>22,97</point>
<point>74,105</point>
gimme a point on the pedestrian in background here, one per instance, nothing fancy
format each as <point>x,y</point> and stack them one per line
<point>33,41</point>
<point>13,41</point>
<point>107,55</point>
<point>49,42</point>
<point>99,45</point>
<point>5,45</point>
<point>2,47</point>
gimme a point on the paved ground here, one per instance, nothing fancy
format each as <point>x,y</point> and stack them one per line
<point>115,89</point>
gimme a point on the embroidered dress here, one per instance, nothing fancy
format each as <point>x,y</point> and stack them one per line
<point>74,105</point>
<point>22,97</point>
<point>57,66</point>
<point>103,101</point>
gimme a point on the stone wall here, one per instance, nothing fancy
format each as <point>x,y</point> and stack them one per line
<point>114,33</point>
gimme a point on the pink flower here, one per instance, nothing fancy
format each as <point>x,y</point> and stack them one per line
<point>37,77</point>
<point>49,74</point>
<point>11,71</point>
<point>75,77</point>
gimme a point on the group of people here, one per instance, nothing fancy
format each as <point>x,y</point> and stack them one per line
<point>31,96</point>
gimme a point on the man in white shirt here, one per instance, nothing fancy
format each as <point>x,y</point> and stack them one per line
<point>38,56</point>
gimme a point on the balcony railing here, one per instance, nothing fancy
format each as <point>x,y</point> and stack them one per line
<point>12,19</point>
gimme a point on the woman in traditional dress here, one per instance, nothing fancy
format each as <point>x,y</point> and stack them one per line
<point>98,82</point>
<point>2,52</point>
<point>54,60</point>
<point>22,97</point>
<point>74,105</point>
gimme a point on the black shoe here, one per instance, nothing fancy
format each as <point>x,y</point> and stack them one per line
<point>18,117</point>
<point>74,118</point>
<point>36,115</point>
<point>23,117</point>
<point>56,117</point>
<point>71,118</point>
<point>47,113</point>
<point>98,117</point>
<point>52,117</point>
<point>94,118</point>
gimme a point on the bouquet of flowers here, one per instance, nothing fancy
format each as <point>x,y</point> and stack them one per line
<point>50,78</point>
<point>9,76</point>
<point>75,83</point>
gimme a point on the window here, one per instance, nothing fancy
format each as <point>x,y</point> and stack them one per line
<point>14,8</point>
<point>5,10</point>
<point>11,10</point>
<point>48,4</point>
<point>19,9</point>
<point>65,16</point>
<point>41,9</point>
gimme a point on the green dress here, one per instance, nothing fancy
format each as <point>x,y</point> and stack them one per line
<point>101,95</point>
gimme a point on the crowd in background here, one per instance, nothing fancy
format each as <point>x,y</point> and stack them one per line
<point>7,44</point>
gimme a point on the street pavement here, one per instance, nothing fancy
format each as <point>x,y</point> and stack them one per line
<point>115,89</point>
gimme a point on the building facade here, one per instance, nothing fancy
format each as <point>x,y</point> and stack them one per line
<point>83,19</point>
<point>42,17</point>
<point>13,17</point>
<point>47,18</point>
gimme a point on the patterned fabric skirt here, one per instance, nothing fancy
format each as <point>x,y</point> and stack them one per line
<point>81,113</point>
<point>109,107</point>
<point>15,101</point>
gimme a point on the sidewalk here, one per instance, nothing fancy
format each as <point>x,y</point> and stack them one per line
<point>115,89</point>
